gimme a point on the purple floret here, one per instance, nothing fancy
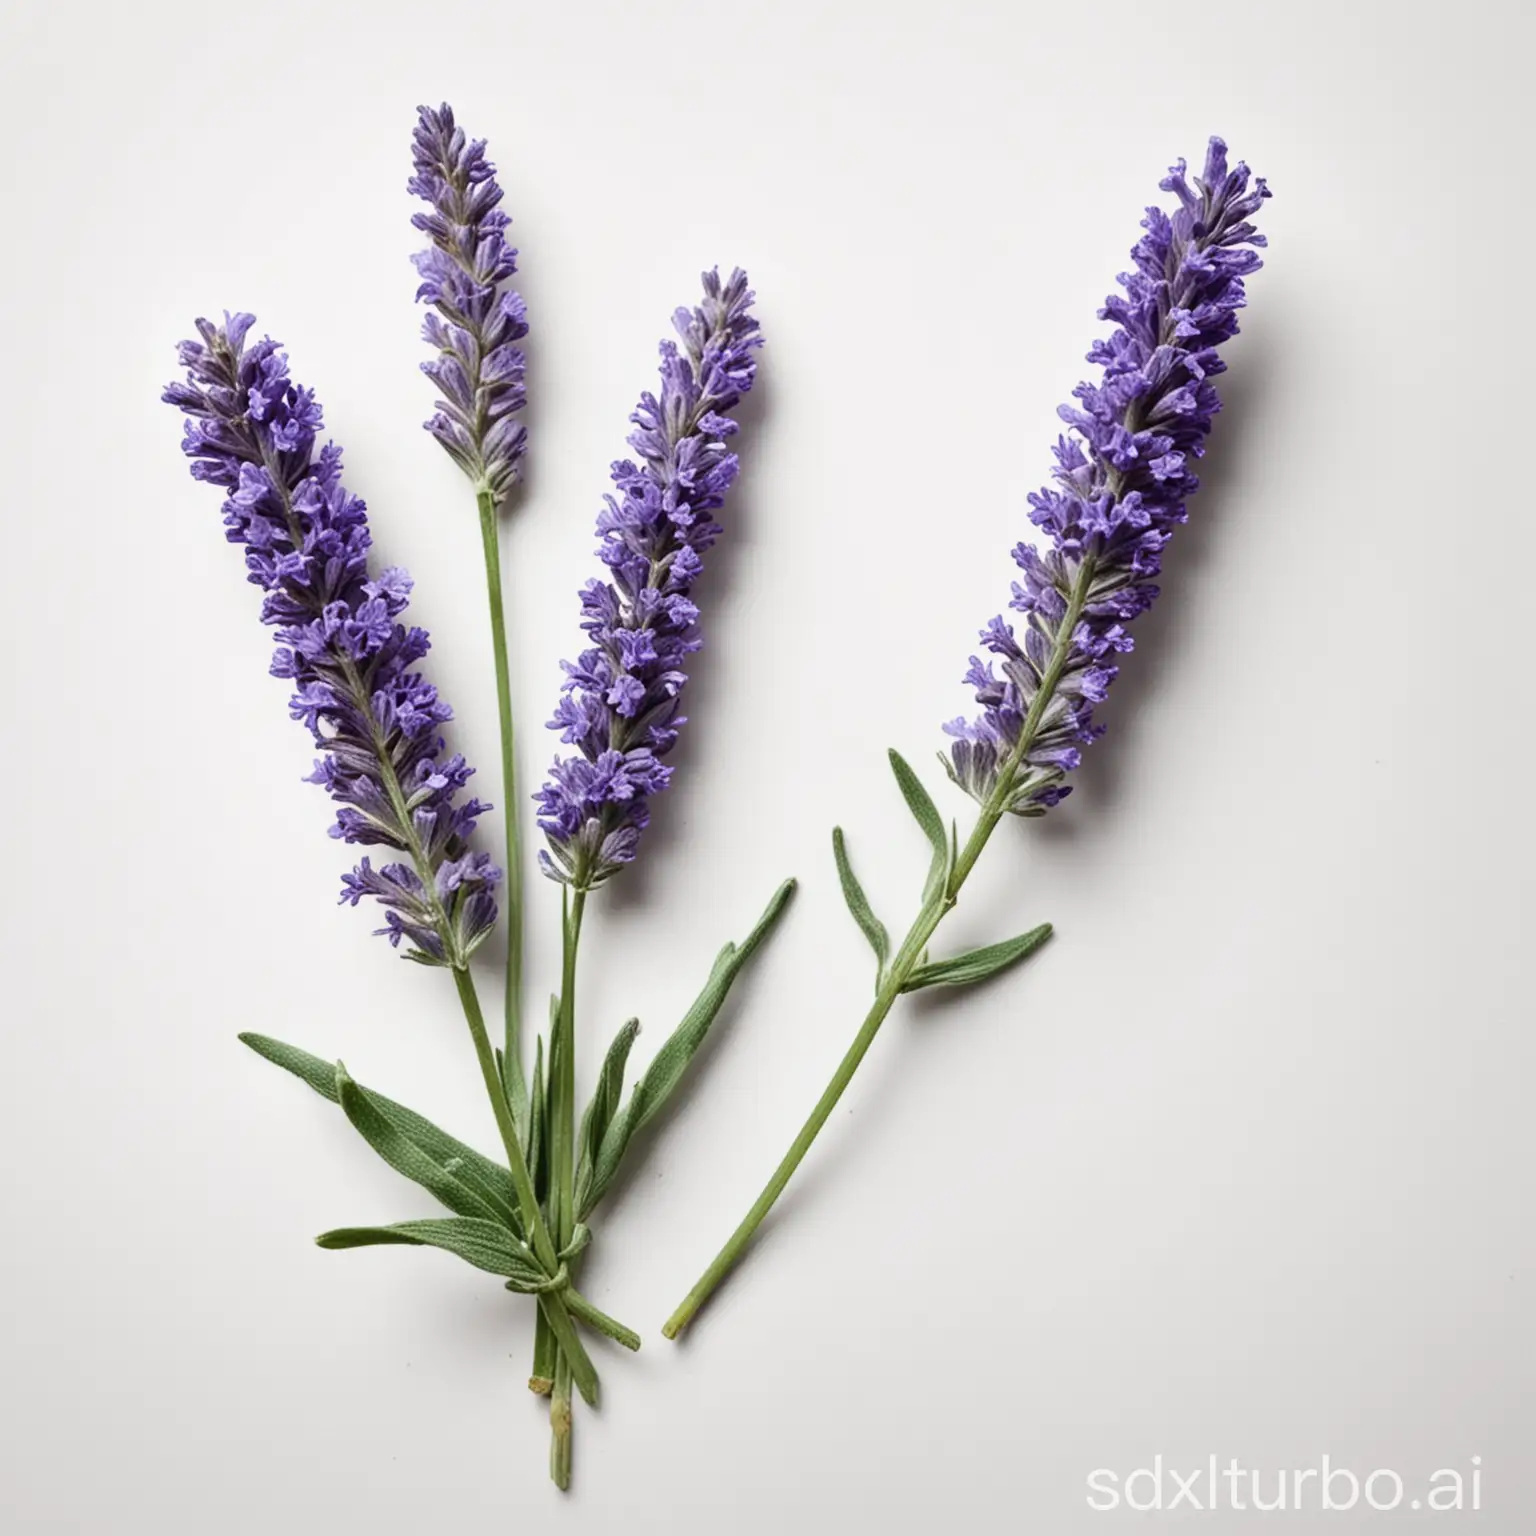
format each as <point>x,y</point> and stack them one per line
<point>252,431</point>
<point>1122,482</point>
<point>619,705</point>
<point>478,367</point>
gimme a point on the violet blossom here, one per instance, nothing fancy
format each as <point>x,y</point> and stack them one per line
<point>1121,486</point>
<point>619,705</point>
<point>252,431</point>
<point>479,368</point>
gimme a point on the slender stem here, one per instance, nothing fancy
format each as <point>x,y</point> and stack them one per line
<point>571,1347</point>
<point>560,1425</point>
<point>533,1218</point>
<point>562,1177</point>
<point>901,968</point>
<point>595,1318</point>
<point>573,1353</point>
<point>563,1078</point>
<point>541,1378</point>
<point>890,990</point>
<point>512,1049</point>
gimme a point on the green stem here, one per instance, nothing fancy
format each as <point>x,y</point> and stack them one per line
<point>571,1347</point>
<point>890,989</point>
<point>562,1166</point>
<point>905,962</point>
<point>563,1078</point>
<point>560,1425</point>
<point>541,1378</point>
<point>599,1320</point>
<point>512,1050</point>
<point>533,1218</point>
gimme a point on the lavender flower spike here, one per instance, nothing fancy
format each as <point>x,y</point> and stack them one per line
<point>1121,487</point>
<point>479,368</point>
<point>619,705</point>
<point>251,430</point>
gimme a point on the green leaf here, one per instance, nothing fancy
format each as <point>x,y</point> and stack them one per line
<point>926,814</point>
<point>484,1244</point>
<point>671,1061</point>
<point>487,1178</point>
<point>533,1152</point>
<point>600,1112</point>
<point>509,1075</point>
<point>858,904</point>
<point>404,1156</point>
<point>978,964</point>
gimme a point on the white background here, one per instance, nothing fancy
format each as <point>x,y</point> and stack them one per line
<point>1241,1164</point>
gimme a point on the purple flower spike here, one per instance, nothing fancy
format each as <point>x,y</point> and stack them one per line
<point>478,367</point>
<point>619,705</point>
<point>252,431</point>
<point>1121,487</point>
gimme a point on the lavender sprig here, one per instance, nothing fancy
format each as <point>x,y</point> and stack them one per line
<point>620,709</point>
<point>252,431</point>
<point>479,366</point>
<point>480,370</point>
<point>620,701</point>
<point>1121,487</point>
<point>653,540</point>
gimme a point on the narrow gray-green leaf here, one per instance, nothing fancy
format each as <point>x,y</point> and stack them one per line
<point>858,904</point>
<point>404,1156</point>
<point>926,814</point>
<point>600,1112</point>
<point>484,1244</point>
<point>978,964</point>
<point>671,1061</point>
<point>509,1074</point>
<point>486,1177</point>
<point>538,1111</point>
